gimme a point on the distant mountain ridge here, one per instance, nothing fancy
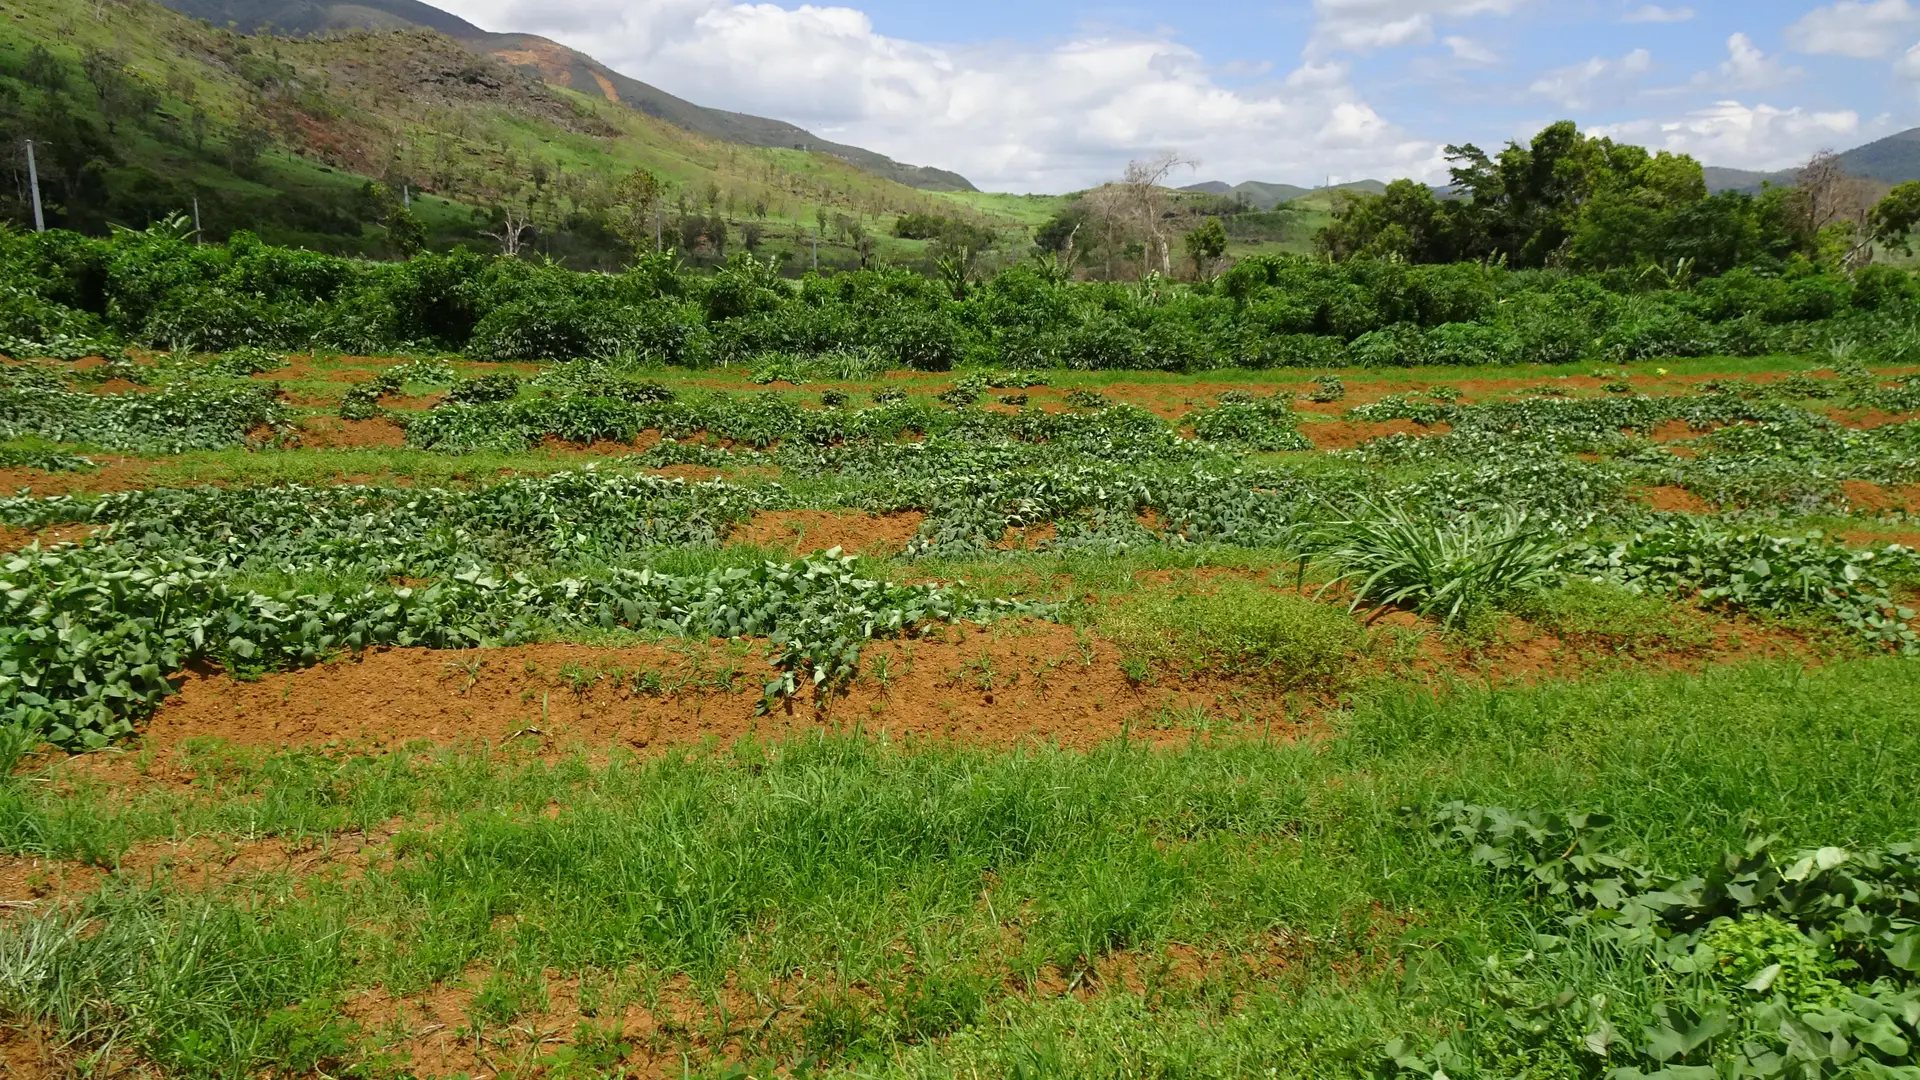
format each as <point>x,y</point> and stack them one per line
<point>1264,196</point>
<point>1892,160</point>
<point>559,65</point>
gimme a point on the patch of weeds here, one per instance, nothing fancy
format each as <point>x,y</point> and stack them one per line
<point>1616,618</point>
<point>503,998</point>
<point>1236,628</point>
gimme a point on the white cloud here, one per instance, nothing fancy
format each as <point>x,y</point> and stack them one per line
<point>1742,136</point>
<point>1654,13</point>
<point>1009,117</point>
<point>1469,51</point>
<point>1576,86</point>
<point>1369,25</point>
<point>1859,28</point>
<point>1908,66</point>
<point>1746,68</point>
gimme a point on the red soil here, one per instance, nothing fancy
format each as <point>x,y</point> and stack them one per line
<point>333,433</point>
<point>12,539</point>
<point>1872,498</point>
<point>807,531</point>
<point>1347,434</point>
<point>1010,684</point>
<point>113,475</point>
<point>1674,500</point>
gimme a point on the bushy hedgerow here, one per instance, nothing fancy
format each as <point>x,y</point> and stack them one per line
<point>60,293</point>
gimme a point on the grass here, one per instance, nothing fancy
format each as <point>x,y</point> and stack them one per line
<point>952,887</point>
<point>1205,896</point>
<point>1233,627</point>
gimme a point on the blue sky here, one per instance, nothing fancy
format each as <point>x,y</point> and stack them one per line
<point>1054,96</point>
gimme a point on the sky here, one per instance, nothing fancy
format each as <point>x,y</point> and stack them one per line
<point>1058,95</point>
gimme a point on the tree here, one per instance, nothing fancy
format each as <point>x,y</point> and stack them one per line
<point>636,199</point>
<point>245,146</point>
<point>1406,222</point>
<point>1206,245</point>
<point>1836,209</point>
<point>1894,218</point>
<point>1059,231</point>
<point>43,69</point>
<point>406,234</point>
<point>1144,199</point>
<point>513,225</point>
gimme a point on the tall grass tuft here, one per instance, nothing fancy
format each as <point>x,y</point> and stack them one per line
<point>1445,568</point>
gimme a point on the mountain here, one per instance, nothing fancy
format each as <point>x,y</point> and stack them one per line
<point>138,112</point>
<point>1264,196</point>
<point>1721,179</point>
<point>558,65</point>
<point>1892,160</point>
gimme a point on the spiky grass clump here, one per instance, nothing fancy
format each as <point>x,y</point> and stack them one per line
<point>1447,568</point>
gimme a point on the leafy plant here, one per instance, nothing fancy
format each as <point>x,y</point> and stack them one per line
<point>1327,389</point>
<point>1754,571</point>
<point>487,389</point>
<point>1447,568</point>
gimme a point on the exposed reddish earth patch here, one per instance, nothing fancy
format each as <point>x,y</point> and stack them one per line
<point>333,433</point>
<point>408,403</point>
<point>1010,684</point>
<point>1868,538</point>
<point>1348,434</point>
<point>692,474</point>
<point>431,1031</point>
<point>29,883</point>
<point>807,531</point>
<point>1865,419</point>
<point>112,475</point>
<point>599,448</point>
<point>12,539</point>
<point>1673,500</point>
<point>121,386</point>
<point>1674,431</point>
<point>1872,498</point>
<point>27,1056</point>
<point>1031,538</point>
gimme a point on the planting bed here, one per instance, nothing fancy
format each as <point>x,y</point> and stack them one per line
<point>399,719</point>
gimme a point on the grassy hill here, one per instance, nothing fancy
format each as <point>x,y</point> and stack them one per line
<point>139,110</point>
<point>556,64</point>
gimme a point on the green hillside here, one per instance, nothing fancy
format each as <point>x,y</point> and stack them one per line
<point>556,64</point>
<point>138,111</point>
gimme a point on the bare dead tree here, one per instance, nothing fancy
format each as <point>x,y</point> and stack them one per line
<point>1825,196</point>
<point>1144,186</point>
<point>514,226</point>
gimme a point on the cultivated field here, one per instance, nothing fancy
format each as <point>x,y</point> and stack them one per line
<point>566,720</point>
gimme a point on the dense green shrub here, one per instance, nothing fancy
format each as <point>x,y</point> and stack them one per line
<point>61,294</point>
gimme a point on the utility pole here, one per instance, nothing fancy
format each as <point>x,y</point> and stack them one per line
<point>816,251</point>
<point>196,221</point>
<point>33,182</point>
<point>657,215</point>
<point>406,196</point>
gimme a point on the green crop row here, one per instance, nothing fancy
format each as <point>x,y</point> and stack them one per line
<point>90,636</point>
